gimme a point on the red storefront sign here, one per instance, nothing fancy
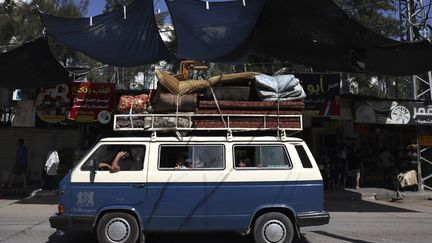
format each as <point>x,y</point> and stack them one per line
<point>81,102</point>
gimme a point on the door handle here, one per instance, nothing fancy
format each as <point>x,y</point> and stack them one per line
<point>139,185</point>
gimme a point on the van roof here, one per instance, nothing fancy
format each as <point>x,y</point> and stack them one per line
<point>203,139</point>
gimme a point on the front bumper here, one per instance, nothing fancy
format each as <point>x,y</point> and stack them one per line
<point>65,223</point>
<point>313,218</point>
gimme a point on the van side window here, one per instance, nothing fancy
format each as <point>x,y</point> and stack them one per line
<point>264,156</point>
<point>115,158</point>
<point>304,158</point>
<point>191,157</point>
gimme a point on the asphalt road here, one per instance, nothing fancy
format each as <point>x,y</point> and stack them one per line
<point>351,221</point>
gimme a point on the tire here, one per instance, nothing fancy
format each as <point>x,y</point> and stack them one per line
<point>273,228</point>
<point>118,228</point>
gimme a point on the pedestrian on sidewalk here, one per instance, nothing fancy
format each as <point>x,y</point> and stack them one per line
<point>20,166</point>
<point>51,166</point>
<point>339,170</point>
<point>355,166</point>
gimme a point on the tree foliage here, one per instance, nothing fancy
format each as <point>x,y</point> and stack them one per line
<point>19,22</point>
<point>111,5</point>
<point>381,16</point>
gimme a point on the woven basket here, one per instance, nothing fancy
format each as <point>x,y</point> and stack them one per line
<point>233,78</point>
<point>168,81</point>
<point>190,86</point>
<point>174,86</point>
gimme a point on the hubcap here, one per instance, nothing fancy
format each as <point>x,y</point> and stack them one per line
<point>274,231</point>
<point>117,230</point>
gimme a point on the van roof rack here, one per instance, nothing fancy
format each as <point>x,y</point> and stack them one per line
<point>191,122</point>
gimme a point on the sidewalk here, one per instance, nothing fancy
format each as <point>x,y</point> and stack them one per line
<point>30,194</point>
<point>371,193</point>
<point>33,195</point>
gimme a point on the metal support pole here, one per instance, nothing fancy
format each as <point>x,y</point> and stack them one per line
<point>411,38</point>
<point>419,174</point>
<point>430,84</point>
<point>415,87</point>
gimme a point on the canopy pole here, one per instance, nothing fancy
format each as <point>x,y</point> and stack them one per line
<point>244,3</point>
<point>207,5</point>
<point>124,12</point>
<point>91,21</point>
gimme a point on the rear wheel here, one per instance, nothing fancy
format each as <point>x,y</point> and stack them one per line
<point>118,228</point>
<point>273,228</point>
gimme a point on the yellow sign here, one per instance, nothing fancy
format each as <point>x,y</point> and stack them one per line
<point>425,141</point>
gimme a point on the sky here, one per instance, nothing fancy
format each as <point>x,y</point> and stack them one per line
<point>96,6</point>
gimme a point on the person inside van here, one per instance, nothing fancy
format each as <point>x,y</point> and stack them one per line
<point>115,164</point>
<point>244,162</point>
<point>241,163</point>
<point>180,162</point>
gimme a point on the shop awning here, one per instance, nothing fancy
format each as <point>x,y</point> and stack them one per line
<point>31,65</point>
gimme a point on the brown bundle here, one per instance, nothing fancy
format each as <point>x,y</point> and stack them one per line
<point>167,102</point>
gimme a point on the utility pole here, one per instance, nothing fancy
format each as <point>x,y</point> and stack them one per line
<point>413,19</point>
<point>413,23</point>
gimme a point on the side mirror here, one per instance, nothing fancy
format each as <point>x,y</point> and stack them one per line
<point>94,167</point>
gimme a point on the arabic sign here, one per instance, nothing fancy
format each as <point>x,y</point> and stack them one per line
<point>81,102</point>
<point>322,93</point>
<point>393,112</point>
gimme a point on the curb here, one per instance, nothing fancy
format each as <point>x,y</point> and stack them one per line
<point>380,195</point>
<point>40,196</point>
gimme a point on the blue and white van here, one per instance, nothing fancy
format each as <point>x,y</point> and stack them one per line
<point>260,185</point>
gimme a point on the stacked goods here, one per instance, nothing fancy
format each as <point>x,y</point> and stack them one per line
<point>246,95</point>
<point>264,95</point>
<point>250,108</point>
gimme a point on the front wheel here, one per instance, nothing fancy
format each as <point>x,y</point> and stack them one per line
<point>117,228</point>
<point>273,228</point>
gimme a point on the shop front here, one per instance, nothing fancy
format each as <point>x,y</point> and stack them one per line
<point>70,117</point>
<point>384,134</point>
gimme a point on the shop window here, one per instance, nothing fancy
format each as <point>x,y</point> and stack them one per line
<point>132,159</point>
<point>191,157</point>
<point>265,156</point>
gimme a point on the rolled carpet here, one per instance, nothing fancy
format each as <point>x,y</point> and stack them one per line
<point>252,112</point>
<point>251,105</point>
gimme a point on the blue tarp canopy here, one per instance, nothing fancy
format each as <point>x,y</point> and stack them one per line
<point>119,38</point>
<point>311,32</point>
<point>320,34</point>
<point>215,32</point>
